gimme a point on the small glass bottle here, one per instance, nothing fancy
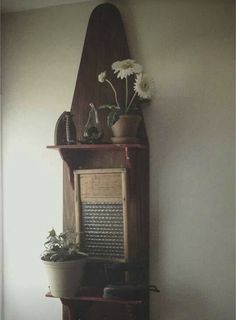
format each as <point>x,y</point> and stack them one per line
<point>93,132</point>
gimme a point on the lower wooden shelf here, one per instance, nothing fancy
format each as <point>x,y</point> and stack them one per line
<point>99,299</point>
<point>97,307</point>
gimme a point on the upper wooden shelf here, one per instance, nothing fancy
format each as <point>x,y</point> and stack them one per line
<point>106,146</point>
<point>75,157</point>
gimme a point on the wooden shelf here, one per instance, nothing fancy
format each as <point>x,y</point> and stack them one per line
<point>78,307</point>
<point>99,299</point>
<point>107,146</point>
<point>72,154</point>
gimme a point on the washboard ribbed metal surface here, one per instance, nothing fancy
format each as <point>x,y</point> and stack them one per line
<point>102,225</point>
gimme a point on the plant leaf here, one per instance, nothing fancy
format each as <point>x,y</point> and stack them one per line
<point>108,106</point>
<point>61,247</point>
<point>113,116</point>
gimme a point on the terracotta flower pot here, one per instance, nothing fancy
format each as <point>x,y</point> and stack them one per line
<point>125,128</point>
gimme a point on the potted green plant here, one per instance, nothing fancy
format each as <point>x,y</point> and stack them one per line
<point>64,263</point>
<point>124,119</point>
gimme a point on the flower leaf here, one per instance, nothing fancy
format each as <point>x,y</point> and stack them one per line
<point>113,116</point>
<point>107,106</point>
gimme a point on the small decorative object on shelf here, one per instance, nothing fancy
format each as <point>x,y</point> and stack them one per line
<point>128,291</point>
<point>124,120</point>
<point>123,288</point>
<point>93,132</point>
<point>65,132</point>
<point>63,260</point>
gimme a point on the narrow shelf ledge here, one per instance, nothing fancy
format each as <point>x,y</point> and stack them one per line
<point>99,299</point>
<point>74,154</point>
<point>105,146</point>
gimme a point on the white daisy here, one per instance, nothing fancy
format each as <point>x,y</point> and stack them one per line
<point>125,68</point>
<point>143,86</point>
<point>102,77</point>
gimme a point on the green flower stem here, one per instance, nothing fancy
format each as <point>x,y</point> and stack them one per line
<point>126,92</point>
<point>132,99</point>
<point>114,90</point>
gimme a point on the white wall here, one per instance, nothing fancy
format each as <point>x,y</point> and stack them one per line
<point>1,219</point>
<point>188,47</point>
<point>1,208</point>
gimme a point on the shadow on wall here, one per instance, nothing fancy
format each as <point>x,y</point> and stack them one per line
<point>179,303</point>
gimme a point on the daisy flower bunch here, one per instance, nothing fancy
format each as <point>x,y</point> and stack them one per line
<point>142,88</point>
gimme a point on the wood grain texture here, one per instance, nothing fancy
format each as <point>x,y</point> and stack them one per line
<point>105,42</point>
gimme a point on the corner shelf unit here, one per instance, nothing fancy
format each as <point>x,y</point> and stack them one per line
<point>106,27</point>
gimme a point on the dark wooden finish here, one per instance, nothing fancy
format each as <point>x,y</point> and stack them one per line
<point>86,309</point>
<point>83,307</point>
<point>74,156</point>
<point>100,299</point>
<point>108,146</point>
<point>137,204</point>
<point>105,43</point>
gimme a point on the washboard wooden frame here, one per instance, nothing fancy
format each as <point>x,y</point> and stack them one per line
<point>106,187</point>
